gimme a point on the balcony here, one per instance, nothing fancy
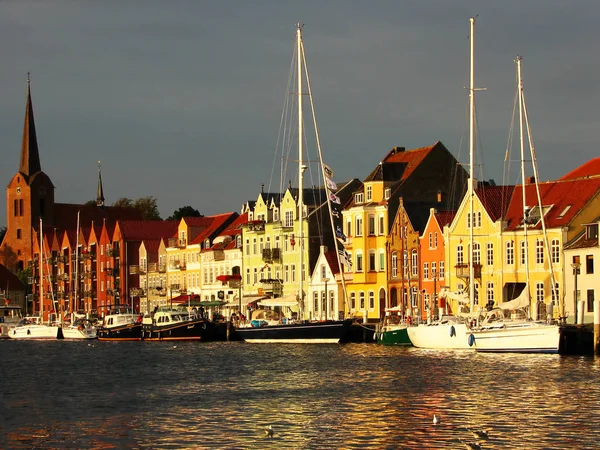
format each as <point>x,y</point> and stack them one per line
<point>136,292</point>
<point>271,254</point>
<point>63,277</point>
<point>258,226</point>
<point>219,255</point>
<point>112,272</point>
<point>113,252</point>
<point>134,270</point>
<point>176,243</point>
<point>153,267</point>
<point>272,286</point>
<point>162,268</point>
<point>160,291</point>
<point>89,256</point>
<point>462,270</point>
<point>177,265</point>
<point>62,259</point>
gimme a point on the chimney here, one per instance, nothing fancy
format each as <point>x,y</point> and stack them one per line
<point>398,150</point>
<point>530,180</point>
<point>439,196</point>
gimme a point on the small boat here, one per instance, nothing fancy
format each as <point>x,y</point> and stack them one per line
<point>393,330</point>
<point>32,327</point>
<point>10,316</point>
<point>121,324</point>
<point>177,325</point>
<point>447,333</point>
<point>80,329</point>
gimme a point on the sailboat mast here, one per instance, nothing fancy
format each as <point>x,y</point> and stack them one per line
<point>75,289</point>
<point>41,273</point>
<point>523,180</point>
<point>471,168</point>
<point>300,172</point>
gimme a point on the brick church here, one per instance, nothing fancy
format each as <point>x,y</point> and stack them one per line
<point>30,203</point>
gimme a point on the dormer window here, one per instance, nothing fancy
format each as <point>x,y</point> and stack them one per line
<point>275,214</point>
<point>207,243</point>
<point>369,193</point>
<point>388,193</point>
<point>238,241</point>
<point>359,198</point>
<point>591,231</point>
<point>250,215</point>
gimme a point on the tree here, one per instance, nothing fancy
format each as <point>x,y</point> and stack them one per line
<point>148,207</point>
<point>123,202</point>
<point>2,233</point>
<point>185,211</point>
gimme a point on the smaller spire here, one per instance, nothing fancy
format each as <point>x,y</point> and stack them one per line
<point>100,198</point>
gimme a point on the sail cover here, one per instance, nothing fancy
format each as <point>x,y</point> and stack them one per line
<point>522,301</point>
<point>460,297</point>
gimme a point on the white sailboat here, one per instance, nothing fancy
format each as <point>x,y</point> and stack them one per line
<point>510,328</point>
<point>78,328</point>
<point>34,327</point>
<point>452,331</point>
<point>263,329</point>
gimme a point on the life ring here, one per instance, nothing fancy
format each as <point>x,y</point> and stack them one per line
<point>471,340</point>
<point>452,331</point>
<point>80,327</point>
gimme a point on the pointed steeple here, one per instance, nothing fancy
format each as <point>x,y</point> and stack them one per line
<point>100,198</point>
<point>30,156</point>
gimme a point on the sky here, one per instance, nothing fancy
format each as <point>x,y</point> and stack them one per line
<point>182,100</point>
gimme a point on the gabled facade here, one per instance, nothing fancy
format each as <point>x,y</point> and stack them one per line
<point>433,266</point>
<point>325,292</point>
<point>381,240</point>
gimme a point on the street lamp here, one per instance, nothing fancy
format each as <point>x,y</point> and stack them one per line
<point>576,266</point>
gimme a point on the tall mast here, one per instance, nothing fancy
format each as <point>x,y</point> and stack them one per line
<point>41,273</point>
<point>75,290</point>
<point>301,169</point>
<point>471,168</point>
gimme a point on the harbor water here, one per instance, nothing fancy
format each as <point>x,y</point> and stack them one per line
<point>159,395</point>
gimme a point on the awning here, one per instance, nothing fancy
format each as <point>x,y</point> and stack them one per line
<point>232,305</point>
<point>185,298</point>
<point>212,303</point>
<point>289,300</point>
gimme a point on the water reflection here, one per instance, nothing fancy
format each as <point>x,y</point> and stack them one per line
<point>222,395</point>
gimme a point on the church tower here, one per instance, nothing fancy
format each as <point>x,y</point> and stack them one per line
<point>29,197</point>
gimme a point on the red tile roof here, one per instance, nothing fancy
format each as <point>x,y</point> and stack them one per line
<point>332,260</point>
<point>495,199</point>
<point>141,230</point>
<point>65,215</point>
<point>444,218</point>
<point>566,198</point>
<point>400,162</point>
<point>588,169</point>
<point>214,224</point>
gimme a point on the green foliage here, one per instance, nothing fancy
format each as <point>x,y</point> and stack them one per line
<point>24,275</point>
<point>185,211</point>
<point>148,206</point>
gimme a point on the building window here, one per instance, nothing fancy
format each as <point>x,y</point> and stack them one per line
<point>539,292</point>
<point>293,273</point>
<point>394,264</point>
<point>590,300</point>
<point>381,225</point>
<point>371,300</point>
<point>18,233</point>
<point>371,225</point>
<point>349,227</point>
<point>555,294</point>
<point>555,249</point>
<point>479,219</point>
<point>539,251</point>
<point>476,253</point>
<point>254,247</point>
<point>435,240</point>
<point>359,226</point>
<point>510,253</point>
<point>523,252</point>
<point>442,274</point>
<point>361,299</point>
<point>425,271</point>
<point>589,264</point>
<point>381,260</point>
<point>358,198</point>
<point>415,263</point>
<point>353,300</point>
<point>372,267</point>
<point>289,219</point>
<point>468,220</point>
<point>490,254</point>
<point>369,193</point>
<point>433,270</point>
<point>430,240</point>
<point>459,255</point>
<point>387,193</point>
<point>490,292</point>
<point>359,262</point>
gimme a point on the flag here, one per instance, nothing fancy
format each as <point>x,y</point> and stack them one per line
<point>328,171</point>
<point>339,234</point>
<point>330,184</point>
<point>345,259</point>
<point>334,198</point>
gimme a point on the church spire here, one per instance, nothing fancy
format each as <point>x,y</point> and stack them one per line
<point>100,198</point>
<point>30,156</point>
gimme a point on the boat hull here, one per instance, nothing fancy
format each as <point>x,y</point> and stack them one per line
<point>80,333</point>
<point>126,332</point>
<point>526,338</point>
<point>329,332</point>
<point>34,331</point>
<point>444,336</point>
<point>396,335</point>
<point>199,330</point>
